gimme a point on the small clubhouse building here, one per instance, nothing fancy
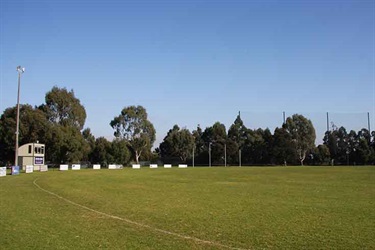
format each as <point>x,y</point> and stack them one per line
<point>31,154</point>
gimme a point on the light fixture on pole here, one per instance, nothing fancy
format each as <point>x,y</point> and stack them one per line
<point>20,70</point>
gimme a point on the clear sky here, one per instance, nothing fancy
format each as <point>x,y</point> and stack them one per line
<point>194,62</point>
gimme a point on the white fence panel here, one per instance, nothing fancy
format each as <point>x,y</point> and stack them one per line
<point>3,171</point>
<point>136,166</point>
<point>114,166</point>
<point>76,166</point>
<point>29,169</point>
<point>64,167</point>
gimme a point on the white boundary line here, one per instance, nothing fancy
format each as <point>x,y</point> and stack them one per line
<point>137,223</point>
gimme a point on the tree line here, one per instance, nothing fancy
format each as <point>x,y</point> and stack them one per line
<point>291,144</point>
<point>59,123</point>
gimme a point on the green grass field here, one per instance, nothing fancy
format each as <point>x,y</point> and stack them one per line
<point>200,208</point>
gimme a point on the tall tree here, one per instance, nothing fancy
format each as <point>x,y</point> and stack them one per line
<point>166,147</point>
<point>90,144</point>
<point>215,138</point>
<point>236,139</point>
<point>343,145</point>
<point>65,144</point>
<point>66,114</point>
<point>283,147</point>
<point>360,146</point>
<point>349,148</point>
<point>200,149</point>
<point>120,151</point>
<point>62,107</point>
<point>102,152</point>
<point>322,155</point>
<point>132,124</point>
<point>177,143</point>
<point>303,135</point>
<point>237,131</point>
<point>199,143</point>
<point>261,146</point>
<point>330,140</point>
<point>267,147</point>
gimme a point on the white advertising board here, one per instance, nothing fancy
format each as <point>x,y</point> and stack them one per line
<point>3,171</point>
<point>167,166</point>
<point>136,166</point>
<point>76,166</point>
<point>43,168</point>
<point>29,169</point>
<point>182,165</point>
<point>64,167</point>
<point>113,166</point>
<point>153,165</point>
<point>96,166</point>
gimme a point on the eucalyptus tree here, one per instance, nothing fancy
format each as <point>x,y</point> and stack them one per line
<point>166,147</point>
<point>360,150</point>
<point>284,150</point>
<point>261,146</point>
<point>363,153</point>
<point>215,139</point>
<point>349,148</point>
<point>236,139</point>
<point>302,133</point>
<point>90,143</point>
<point>119,151</point>
<point>178,143</point>
<point>237,132</point>
<point>198,141</point>
<point>330,140</point>
<point>102,152</point>
<point>62,107</point>
<point>343,145</point>
<point>133,125</point>
<point>200,147</point>
<point>65,144</point>
<point>67,116</point>
<point>320,155</point>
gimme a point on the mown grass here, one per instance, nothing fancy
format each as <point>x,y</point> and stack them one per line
<point>251,208</point>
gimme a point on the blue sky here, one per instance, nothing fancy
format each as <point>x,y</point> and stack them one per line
<point>194,62</point>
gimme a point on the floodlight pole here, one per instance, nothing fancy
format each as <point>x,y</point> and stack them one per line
<point>20,71</point>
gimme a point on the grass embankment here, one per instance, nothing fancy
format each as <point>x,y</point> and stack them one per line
<point>252,208</point>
